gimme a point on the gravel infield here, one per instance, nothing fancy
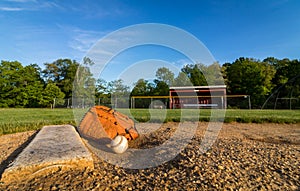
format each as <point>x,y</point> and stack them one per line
<point>244,157</point>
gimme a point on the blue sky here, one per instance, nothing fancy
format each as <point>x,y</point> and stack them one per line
<point>39,31</point>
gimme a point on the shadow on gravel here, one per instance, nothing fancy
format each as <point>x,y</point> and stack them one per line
<point>272,140</point>
<point>14,154</point>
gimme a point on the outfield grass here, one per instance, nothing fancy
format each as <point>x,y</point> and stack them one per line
<point>19,120</point>
<point>263,116</point>
<point>232,115</point>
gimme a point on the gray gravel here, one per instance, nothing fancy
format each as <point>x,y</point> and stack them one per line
<point>235,162</point>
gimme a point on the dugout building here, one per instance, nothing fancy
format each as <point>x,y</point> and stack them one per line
<point>198,97</point>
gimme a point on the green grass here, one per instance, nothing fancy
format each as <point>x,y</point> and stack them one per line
<point>19,120</point>
<point>232,115</point>
<point>263,116</point>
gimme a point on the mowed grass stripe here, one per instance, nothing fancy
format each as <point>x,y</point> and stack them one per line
<point>19,120</point>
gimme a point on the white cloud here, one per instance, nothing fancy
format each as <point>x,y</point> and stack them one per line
<point>49,4</point>
<point>21,1</point>
<point>99,9</point>
<point>27,5</point>
<point>82,40</point>
<point>11,9</point>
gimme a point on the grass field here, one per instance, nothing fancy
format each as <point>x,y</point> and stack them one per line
<point>232,115</point>
<point>19,120</point>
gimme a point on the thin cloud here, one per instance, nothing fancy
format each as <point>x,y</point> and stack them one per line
<point>21,1</point>
<point>84,40</point>
<point>81,40</point>
<point>27,5</point>
<point>99,9</point>
<point>11,9</point>
<point>48,4</point>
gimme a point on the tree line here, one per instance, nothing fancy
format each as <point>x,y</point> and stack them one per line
<point>31,86</point>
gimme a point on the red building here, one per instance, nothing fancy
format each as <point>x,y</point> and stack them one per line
<point>198,97</point>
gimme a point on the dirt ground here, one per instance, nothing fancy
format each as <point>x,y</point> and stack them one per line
<point>244,157</point>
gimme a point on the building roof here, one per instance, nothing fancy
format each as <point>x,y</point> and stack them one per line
<point>197,87</point>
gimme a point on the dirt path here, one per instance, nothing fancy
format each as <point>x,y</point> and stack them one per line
<point>245,156</point>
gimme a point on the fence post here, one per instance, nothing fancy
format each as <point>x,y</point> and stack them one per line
<point>53,104</point>
<point>249,101</point>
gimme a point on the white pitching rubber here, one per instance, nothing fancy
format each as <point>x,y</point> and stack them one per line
<point>119,144</point>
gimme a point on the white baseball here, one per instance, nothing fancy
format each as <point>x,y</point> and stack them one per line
<point>119,144</point>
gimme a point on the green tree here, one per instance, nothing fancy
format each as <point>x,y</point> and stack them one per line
<point>161,88</point>
<point>285,69</point>
<point>213,74</point>
<point>282,70</point>
<point>101,87</point>
<point>194,73</point>
<point>118,88</point>
<point>141,88</point>
<point>102,93</point>
<point>164,79</point>
<point>20,86</point>
<point>251,77</point>
<point>165,75</point>
<point>182,80</point>
<point>10,75</point>
<point>61,72</point>
<point>51,95</point>
<point>119,93</point>
<point>286,82</point>
<point>32,85</point>
<point>84,87</point>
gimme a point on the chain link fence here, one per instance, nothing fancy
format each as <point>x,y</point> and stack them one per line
<point>233,102</point>
<point>120,102</point>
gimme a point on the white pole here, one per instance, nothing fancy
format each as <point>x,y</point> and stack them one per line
<point>133,103</point>
<point>151,103</point>
<point>222,102</point>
